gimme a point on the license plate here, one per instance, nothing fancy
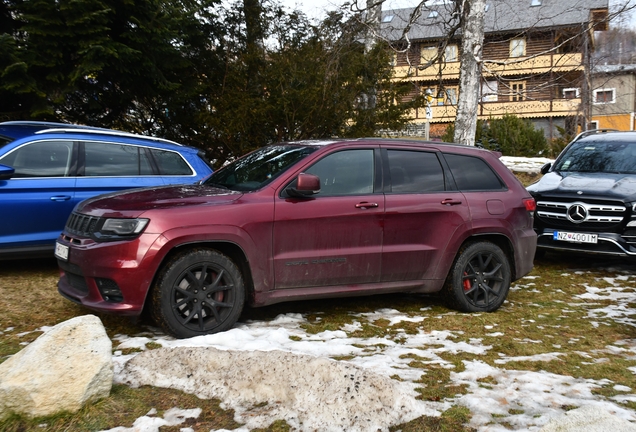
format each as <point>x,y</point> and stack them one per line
<point>61,251</point>
<point>575,237</point>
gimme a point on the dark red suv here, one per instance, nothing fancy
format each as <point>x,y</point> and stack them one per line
<point>304,220</point>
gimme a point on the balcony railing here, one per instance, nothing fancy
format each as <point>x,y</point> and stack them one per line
<point>534,65</point>
<point>524,109</point>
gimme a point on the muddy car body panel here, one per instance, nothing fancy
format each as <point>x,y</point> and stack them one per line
<point>389,216</point>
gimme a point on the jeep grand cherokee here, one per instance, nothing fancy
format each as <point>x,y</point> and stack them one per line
<point>304,220</point>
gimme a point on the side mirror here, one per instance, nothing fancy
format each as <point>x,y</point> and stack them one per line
<point>6,172</point>
<point>306,186</point>
<point>545,168</point>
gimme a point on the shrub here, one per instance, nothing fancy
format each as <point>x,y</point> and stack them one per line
<point>510,135</point>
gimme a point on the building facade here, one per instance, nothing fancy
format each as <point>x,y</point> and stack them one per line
<point>535,60</point>
<point>614,97</point>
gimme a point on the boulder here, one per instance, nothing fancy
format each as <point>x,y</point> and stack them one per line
<point>67,366</point>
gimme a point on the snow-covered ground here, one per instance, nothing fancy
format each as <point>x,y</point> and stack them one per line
<point>270,370</point>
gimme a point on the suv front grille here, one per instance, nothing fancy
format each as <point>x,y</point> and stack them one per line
<point>591,215</point>
<point>81,225</point>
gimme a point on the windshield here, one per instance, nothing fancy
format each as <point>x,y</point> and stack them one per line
<point>602,157</point>
<point>258,168</point>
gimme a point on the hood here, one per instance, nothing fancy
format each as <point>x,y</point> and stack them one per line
<point>621,187</point>
<point>133,202</point>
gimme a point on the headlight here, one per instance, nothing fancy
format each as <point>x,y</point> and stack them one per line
<point>117,229</point>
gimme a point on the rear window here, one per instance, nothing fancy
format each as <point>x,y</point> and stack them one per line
<point>472,173</point>
<point>171,163</point>
<point>415,172</point>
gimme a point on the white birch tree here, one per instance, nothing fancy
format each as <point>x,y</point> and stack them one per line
<point>472,28</point>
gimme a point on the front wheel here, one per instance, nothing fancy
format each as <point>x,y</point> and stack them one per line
<point>198,292</point>
<point>479,279</point>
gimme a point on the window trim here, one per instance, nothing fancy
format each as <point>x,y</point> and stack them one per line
<point>516,45</point>
<point>517,95</point>
<point>572,89</point>
<point>454,50</point>
<point>603,90</point>
<point>432,49</point>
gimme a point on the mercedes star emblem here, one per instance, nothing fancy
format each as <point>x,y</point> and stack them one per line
<point>577,213</point>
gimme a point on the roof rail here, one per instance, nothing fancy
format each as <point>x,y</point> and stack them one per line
<point>101,131</point>
<point>593,131</point>
<point>41,123</point>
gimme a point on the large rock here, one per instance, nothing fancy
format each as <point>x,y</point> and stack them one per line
<point>64,368</point>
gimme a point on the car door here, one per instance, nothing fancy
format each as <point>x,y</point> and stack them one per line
<point>335,237</point>
<point>421,214</point>
<point>39,197</point>
<point>486,194</point>
<point>109,167</point>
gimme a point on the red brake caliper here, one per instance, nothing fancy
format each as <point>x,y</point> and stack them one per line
<point>467,284</point>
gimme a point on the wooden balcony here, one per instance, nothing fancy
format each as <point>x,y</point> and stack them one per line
<point>535,65</point>
<point>523,109</point>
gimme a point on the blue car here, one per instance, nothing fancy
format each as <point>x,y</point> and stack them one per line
<point>47,168</point>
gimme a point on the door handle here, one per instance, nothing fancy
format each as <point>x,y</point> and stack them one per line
<point>61,198</point>
<point>450,202</point>
<point>364,205</point>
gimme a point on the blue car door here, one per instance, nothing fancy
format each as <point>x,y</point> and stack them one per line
<point>39,197</point>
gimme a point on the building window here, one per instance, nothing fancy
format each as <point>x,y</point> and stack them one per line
<point>571,93</point>
<point>450,53</point>
<point>518,91</point>
<point>433,14</point>
<point>604,96</point>
<point>387,18</point>
<point>593,125</point>
<point>518,47</point>
<point>428,53</point>
<point>489,90</point>
<point>535,3</point>
<point>451,96</point>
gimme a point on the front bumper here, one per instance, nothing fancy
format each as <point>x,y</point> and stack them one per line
<point>607,244</point>
<point>109,277</point>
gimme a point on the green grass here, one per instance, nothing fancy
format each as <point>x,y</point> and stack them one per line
<point>542,315</point>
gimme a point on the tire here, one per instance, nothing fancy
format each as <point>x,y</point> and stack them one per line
<point>198,292</point>
<point>479,280</point>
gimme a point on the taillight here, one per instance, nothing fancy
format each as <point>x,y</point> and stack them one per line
<point>531,206</point>
<point>530,203</point>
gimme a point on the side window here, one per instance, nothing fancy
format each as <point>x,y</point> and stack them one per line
<point>415,172</point>
<point>472,173</point>
<point>170,163</point>
<point>41,159</point>
<point>349,172</point>
<point>108,160</point>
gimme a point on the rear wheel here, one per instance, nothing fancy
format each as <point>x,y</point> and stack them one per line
<point>198,292</point>
<point>479,279</point>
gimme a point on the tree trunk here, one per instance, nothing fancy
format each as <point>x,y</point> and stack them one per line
<point>472,26</point>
